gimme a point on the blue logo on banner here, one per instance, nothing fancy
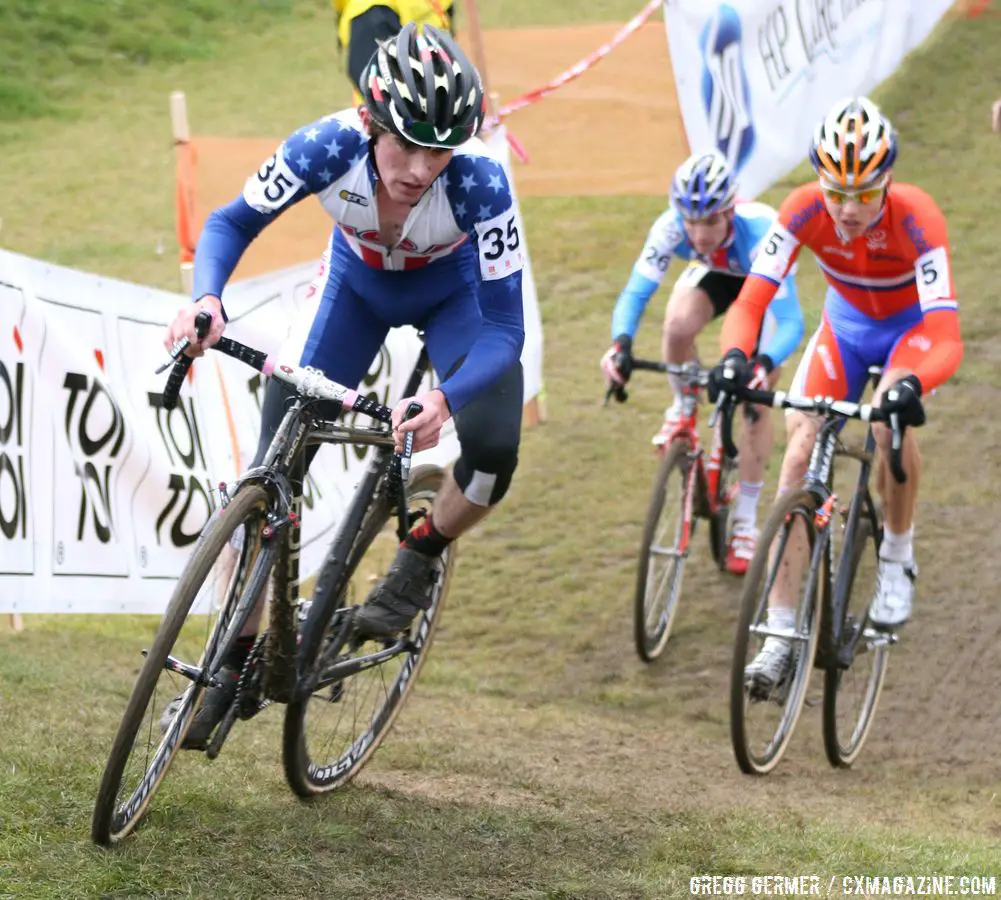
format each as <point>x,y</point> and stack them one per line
<point>726,92</point>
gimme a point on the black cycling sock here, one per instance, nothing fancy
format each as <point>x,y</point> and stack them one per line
<point>239,652</point>
<point>426,539</point>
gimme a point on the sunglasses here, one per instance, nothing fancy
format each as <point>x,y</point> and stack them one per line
<point>864,196</point>
<point>424,134</point>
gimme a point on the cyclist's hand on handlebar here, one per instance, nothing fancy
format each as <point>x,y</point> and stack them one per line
<point>183,326</point>
<point>730,374</point>
<point>617,363</point>
<point>903,397</point>
<point>426,425</point>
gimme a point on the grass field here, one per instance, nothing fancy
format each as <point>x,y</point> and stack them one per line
<point>538,758</point>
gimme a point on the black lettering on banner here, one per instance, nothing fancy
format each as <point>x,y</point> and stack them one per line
<point>496,238</point>
<point>11,453</point>
<point>772,37</point>
<point>182,440</point>
<point>189,450</point>
<point>95,477</point>
<point>818,25</point>
<point>660,260</point>
<point>92,486</point>
<point>190,490</point>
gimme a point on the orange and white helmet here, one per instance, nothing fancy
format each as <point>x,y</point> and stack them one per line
<point>855,145</point>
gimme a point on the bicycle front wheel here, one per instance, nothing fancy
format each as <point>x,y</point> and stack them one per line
<point>788,565</point>
<point>852,689</point>
<point>153,728</point>
<point>663,550</point>
<point>330,735</point>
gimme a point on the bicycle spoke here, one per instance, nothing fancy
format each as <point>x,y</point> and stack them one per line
<point>328,741</point>
<point>663,552</point>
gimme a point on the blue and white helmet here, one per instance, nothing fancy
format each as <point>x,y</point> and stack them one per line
<point>703,185</point>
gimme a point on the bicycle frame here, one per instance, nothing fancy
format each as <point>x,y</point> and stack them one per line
<point>291,649</point>
<point>832,648</point>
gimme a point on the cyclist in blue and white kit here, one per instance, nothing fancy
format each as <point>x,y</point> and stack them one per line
<point>426,235</point>
<point>720,237</point>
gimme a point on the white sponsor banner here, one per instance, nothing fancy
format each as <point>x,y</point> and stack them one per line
<point>755,76</point>
<point>102,491</point>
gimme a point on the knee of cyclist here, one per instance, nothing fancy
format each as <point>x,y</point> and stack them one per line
<point>484,471</point>
<point>678,332</point>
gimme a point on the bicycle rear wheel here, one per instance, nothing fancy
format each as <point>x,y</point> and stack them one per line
<point>851,694</point>
<point>330,735</point>
<point>789,560</point>
<point>663,551</point>
<point>148,738</point>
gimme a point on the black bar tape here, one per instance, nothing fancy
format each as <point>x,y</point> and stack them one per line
<point>175,380</point>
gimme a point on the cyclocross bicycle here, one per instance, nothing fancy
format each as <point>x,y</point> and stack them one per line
<point>342,693</point>
<point>834,586</point>
<point>688,487</point>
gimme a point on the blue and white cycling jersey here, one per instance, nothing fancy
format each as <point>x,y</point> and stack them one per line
<point>782,329</point>
<point>455,271</point>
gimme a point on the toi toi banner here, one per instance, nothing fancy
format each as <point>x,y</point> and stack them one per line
<point>755,76</point>
<point>102,490</point>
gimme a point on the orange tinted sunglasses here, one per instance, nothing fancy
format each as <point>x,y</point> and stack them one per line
<point>865,196</point>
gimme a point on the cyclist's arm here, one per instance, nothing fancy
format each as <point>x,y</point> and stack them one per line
<point>492,224</point>
<point>307,162</point>
<point>940,319</point>
<point>375,24</point>
<point>788,323</point>
<point>648,272</point>
<point>774,260</point>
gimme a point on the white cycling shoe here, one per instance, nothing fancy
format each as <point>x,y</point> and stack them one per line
<point>891,605</point>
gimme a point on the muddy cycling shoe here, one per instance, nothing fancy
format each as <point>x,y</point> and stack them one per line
<point>214,705</point>
<point>397,599</point>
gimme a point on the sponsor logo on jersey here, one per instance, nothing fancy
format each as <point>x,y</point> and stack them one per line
<point>876,239</point>
<point>352,197</point>
<point>726,92</point>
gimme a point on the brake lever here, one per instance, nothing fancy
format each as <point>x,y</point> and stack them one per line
<point>203,321</point>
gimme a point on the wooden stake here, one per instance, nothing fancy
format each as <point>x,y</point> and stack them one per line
<point>179,117</point>
<point>479,54</point>
<point>16,623</point>
<point>182,135</point>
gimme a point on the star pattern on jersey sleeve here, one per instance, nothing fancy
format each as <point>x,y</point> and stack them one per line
<point>477,188</point>
<point>323,151</point>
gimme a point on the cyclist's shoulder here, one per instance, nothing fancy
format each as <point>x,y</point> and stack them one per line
<point>754,211</point>
<point>803,207</point>
<point>333,142</point>
<point>476,184</point>
<point>911,199</point>
<point>752,220</point>
<point>668,230</point>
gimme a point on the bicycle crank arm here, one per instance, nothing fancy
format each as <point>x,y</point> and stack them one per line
<point>221,732</point>
<point>192,673</point>
<point>342,670</point>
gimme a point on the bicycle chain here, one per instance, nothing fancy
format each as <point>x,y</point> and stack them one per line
<point>248,688</point>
